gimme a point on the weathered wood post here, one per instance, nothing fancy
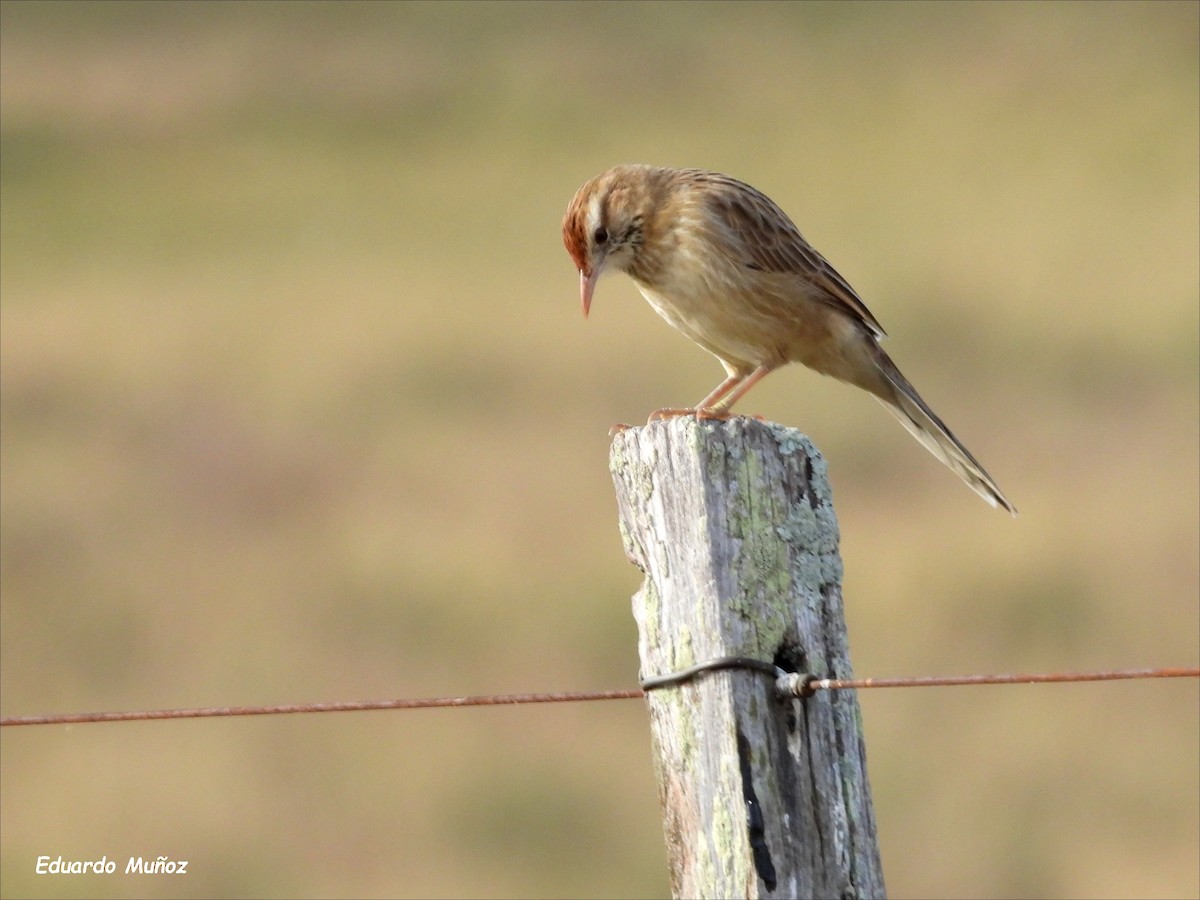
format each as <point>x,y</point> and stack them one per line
<point>762,795</point>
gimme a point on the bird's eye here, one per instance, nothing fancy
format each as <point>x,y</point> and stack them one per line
<point>600,235</point>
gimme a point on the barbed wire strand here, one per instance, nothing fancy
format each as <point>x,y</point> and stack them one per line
<point>804,683</point>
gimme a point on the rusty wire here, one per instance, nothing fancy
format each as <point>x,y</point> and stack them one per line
<point>803,685</point>
<point>206,712</point>
<point>794,684</point>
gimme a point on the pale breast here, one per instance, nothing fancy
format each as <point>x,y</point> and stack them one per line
<point>720,327</point>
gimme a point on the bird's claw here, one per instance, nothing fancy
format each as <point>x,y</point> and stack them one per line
<point>703,413</point>
<point>669,413</point>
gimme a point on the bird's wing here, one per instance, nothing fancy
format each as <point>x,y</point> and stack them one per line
<point>770,242</point>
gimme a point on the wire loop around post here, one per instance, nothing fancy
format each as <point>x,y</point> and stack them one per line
<point>654,682</point>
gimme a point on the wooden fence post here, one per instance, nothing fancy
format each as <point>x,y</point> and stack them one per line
<point>732,524</point>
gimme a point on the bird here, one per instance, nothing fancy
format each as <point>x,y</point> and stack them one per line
<point>724,265</point>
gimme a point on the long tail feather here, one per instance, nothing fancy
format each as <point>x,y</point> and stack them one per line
<point>923,424</point>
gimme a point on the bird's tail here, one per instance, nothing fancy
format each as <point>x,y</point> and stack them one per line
<point>914,414</point>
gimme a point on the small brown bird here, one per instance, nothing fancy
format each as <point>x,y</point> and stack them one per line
<point>723,264</point>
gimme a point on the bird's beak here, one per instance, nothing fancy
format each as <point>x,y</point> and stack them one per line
<point>587,284</point>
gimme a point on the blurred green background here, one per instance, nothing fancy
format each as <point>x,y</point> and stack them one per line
<point>298,405</point>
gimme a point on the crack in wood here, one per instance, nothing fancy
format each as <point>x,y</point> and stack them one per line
<point>754,817</point>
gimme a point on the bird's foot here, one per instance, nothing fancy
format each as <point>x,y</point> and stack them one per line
<point>701,413</point>
<point>618,428</point>
<point>669,413</point>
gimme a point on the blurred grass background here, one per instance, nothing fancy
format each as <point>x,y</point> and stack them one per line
<point>298,405</point>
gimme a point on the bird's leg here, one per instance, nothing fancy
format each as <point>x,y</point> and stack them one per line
<point>731,396</point>
<point>704,408</point>
<point>729,384</point>
<point>717,404</point>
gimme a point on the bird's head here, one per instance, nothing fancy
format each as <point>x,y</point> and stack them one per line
<point>604,224</point>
